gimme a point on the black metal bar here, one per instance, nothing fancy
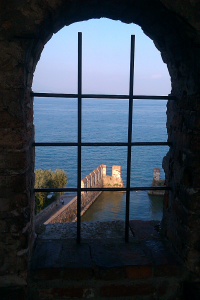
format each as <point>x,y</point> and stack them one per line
<point>38,144</point>
<point>151,144</point>
<point>54,144</point>
<point>53,95</point>
<point>135,188</point>
<point>130,116</point>
<point>55,190</point>
<point>103,96</point>
<point>79,136</point>
<point>135,97</point>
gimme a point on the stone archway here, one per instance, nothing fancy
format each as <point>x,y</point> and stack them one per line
<point>25,28</point>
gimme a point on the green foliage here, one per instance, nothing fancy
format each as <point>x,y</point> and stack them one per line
<point>117,185</point>
<point>48,179</point>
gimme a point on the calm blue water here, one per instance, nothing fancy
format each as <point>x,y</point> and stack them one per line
<point>105,121</point>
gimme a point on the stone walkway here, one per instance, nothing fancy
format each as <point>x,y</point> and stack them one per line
<point>67,198</point>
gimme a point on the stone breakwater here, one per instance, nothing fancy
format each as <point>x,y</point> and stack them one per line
<point>97,178</point>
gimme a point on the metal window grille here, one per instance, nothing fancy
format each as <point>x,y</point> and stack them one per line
<point>80,144</point>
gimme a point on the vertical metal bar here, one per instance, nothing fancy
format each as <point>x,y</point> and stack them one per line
<point>129,138</point>
<point>79,137</point>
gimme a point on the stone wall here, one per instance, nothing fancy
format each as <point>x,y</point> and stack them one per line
<point>97,178</point>
<point>25,27</point>
<point>45,211</point>
<point>181,221</point>
<point>66,214</point>
<point>115,180</point>
<point>69,212</point>
<point>157,182</point>
<point>116,171</point>
<point>156,174</point>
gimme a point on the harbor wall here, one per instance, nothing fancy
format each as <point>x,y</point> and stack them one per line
<point>97,178</point>
<point>68,213</point>
<point>45,211</point>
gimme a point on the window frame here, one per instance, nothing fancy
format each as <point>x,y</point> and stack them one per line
<point>80,144</point>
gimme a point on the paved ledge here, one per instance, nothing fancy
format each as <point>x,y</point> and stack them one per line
<point>113,230</point>
<point>103,254</point>
<point>103,266</point>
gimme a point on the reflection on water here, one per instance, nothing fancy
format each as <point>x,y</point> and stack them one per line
<point>156,206</point>
<point>111,206</point>
<point>108,206</point>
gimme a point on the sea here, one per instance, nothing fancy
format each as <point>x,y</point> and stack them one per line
<point>105,120</point>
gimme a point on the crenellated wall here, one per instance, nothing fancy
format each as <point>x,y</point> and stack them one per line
<point>115,180</point>
<point>97,178</point>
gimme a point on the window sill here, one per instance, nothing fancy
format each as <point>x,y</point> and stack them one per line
<point>102,254</point>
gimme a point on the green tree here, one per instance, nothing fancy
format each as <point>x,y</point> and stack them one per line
<point>59,179</point>
<point>48,179</point>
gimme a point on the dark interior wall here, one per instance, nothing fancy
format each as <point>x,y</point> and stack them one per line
<point>25,26</point>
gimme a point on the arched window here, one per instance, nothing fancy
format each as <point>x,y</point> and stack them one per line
<point>129,143</point>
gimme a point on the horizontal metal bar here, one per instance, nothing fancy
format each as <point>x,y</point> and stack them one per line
<point>57,144</point>
<point>102,96</point>
<point>151,144</point>
<point>136,188</point>
<point>136,97</point>
<point>149,97</point>
<point>56,190</point>
<point>53,95</point>
<point>38,144</point>
<point>151,188</point>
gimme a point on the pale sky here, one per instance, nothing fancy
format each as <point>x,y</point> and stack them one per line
<point>106,61</point>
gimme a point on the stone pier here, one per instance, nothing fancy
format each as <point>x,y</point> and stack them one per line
<point>97,178</point>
